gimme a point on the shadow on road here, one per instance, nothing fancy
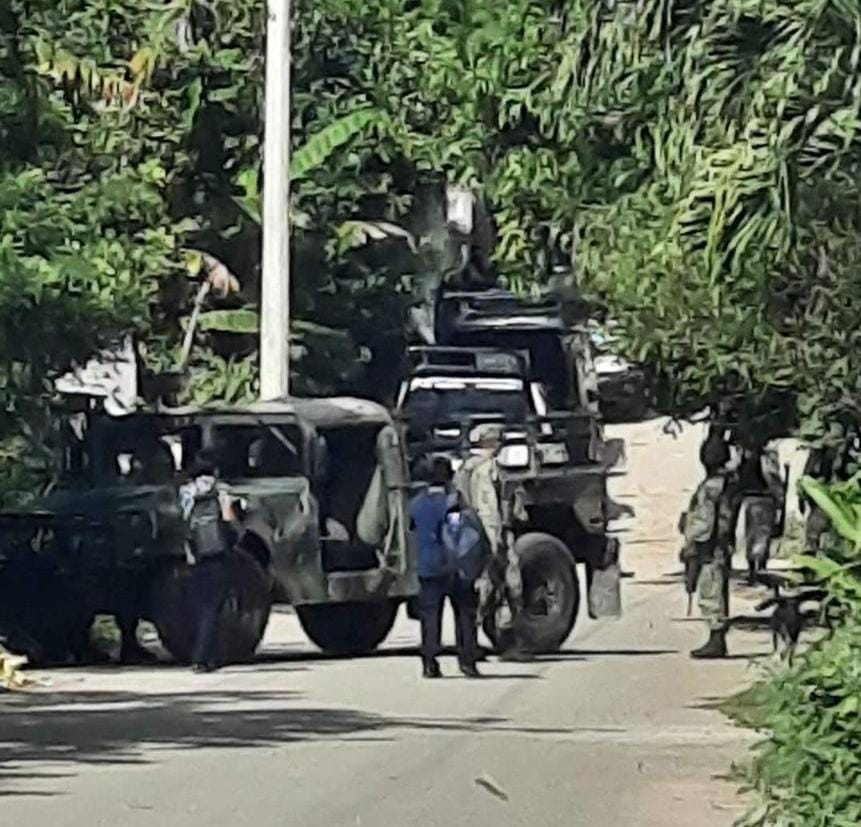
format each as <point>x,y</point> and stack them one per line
<point>274,656</point>
<point>750,623</point>
<point>585,654</point>
<point>47,736</point>
<point>295,654</point>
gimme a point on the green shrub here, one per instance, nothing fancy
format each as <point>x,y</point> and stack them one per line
<point>807,771</point>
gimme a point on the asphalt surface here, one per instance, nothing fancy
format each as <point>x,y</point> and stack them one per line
<point>618,729</point>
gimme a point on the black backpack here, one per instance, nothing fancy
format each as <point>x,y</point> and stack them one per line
<point>207,529</point>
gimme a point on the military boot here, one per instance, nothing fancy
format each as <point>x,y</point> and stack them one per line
<point>430,668</point>
<point>469,670</point>
<point>714,648</point>
<point>755,567</point>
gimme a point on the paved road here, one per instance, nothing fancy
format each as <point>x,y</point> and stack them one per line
<point>617,729</point>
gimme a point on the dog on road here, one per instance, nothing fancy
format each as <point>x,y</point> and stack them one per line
<point>790,617</point>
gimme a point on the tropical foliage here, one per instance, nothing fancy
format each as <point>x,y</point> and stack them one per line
<point>698,161</point>
<point>808,770</point>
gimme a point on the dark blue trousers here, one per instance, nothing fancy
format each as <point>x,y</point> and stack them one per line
<point>209,591</point>
<point>464,600</point>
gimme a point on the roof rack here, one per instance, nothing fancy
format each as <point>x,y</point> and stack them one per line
<point>480,361</point>
<point>503,310</point>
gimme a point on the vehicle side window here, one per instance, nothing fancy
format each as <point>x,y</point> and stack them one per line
<point>251,451</point>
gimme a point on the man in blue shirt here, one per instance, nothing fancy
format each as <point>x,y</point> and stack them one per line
<point>437,580</point>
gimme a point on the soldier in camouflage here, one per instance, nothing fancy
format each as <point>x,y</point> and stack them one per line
<point>820,466</point>
<point>709,542</point>
<point>764,494</point>
<point>500,587</point>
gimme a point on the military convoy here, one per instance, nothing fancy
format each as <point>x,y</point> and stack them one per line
<point>321,487</point>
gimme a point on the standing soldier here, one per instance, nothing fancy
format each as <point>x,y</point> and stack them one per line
<point>764,493</point>
<point>708,544</point>
<point>818,466</point>
<point>501,586</point>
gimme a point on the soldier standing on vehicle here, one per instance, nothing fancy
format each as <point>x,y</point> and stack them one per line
<point>437,579</point>
<point>709,544</point>
<point>501,585</point>
<point>208,512</point>
<point>764,493</point>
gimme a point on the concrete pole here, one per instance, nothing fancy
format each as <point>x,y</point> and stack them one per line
<point>275,287</point>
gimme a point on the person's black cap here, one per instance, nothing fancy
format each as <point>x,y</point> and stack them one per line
<point>441,471</point>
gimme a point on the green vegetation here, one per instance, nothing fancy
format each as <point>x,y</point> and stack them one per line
<point>697,159</point>
<point>807,771</point>
<point>129,140</point>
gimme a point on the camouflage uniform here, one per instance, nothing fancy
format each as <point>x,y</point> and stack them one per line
<point>500,588</point>
<point>815,530</point>
<point>761,505</point>
<point>819,465</point>
<point>709,533</point>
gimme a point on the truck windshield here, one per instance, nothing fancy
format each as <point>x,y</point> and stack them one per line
<point>436,400</point>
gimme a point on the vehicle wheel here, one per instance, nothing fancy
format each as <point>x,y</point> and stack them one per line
<point>348,628</point>
<point>243,617</point>
<point>551,594</point>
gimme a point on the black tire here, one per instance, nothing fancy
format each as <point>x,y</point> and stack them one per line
<point>551,595</point>
<point>348,628</point>
<point>243,618</point>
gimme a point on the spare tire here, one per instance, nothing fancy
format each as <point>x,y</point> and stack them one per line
<point>348,628</point>
<point>551,594</point>
<point>244,615</point>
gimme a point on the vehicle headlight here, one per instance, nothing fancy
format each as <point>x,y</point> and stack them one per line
<point>553,453</point>
<point>514,456</point>
<point>446,433</point>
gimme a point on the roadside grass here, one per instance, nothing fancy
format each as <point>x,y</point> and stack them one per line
<point>748,708</point>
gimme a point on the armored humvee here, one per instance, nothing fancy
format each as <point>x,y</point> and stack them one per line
<point>319,486</point>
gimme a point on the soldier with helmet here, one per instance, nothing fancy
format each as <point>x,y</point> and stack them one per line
<point>501,585</point>
<point>763,490</point>
<point>708,528</point>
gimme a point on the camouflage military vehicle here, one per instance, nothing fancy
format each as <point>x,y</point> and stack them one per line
<point>553,471</point>
<point>559,351</point>
<point>320,487</point>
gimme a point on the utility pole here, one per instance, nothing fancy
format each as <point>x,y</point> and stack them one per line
<point>275,286</point>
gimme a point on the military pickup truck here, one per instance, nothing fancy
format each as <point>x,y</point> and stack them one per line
<point>552,469</point>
